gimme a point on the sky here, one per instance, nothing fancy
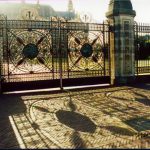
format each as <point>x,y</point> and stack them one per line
<point>96,8</point>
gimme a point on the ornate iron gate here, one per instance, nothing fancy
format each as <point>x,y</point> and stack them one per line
<point>44,54</point>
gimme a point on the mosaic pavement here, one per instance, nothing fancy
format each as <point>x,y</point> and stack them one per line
<point>100,118</point>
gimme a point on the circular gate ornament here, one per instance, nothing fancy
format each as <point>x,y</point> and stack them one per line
<point>86,50</point>
<point>30,51</point>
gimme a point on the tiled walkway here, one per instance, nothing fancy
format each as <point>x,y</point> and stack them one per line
<point>100,118</point>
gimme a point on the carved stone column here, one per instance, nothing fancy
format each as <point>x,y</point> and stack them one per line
<point>121,15</point>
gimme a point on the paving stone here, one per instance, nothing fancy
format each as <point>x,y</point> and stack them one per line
<point>98,118</point>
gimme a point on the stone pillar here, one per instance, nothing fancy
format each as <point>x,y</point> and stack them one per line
<point>121,16</point>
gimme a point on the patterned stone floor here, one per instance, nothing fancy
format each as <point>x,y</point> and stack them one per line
<point>116,117</point>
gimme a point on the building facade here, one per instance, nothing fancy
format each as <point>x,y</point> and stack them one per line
<point>25,11</point>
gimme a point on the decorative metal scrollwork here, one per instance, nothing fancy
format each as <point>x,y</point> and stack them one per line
<point>29,51</point>
<point>86,51</point>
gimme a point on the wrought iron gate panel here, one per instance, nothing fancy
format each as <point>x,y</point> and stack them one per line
<point>142,49</point>
<point>45,51</point>
<point>29,51</point>
<point>88,50</point>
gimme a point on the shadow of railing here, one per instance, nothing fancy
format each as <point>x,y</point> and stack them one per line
<point>139,123</point>
<point>77,122</point>
<point>77,141</point>
<point>119,130</point>
<point>144,99</point>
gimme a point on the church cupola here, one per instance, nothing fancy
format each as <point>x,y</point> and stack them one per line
<point>38,4</point>
<point>70,6</point>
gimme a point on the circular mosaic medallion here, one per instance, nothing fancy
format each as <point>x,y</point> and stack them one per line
<point>30,51</point>
<point>86,50</point>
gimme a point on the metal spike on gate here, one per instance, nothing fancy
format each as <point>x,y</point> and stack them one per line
<point>94,41</point>
<point>77,41</point>
<point>76,61</point>
<point>20,62</point>
<point>40,41</point>
<point>94,58</point>
<point>41,60</point>
<point>20,40</point>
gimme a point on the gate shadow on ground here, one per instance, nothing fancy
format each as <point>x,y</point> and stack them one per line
<point>77,141</point>
<point>13,105</point>
<point>119,130</point>
<point>144,99</point>
<point>77,122</point>
<point>9,106</point>
<point>74,120</point>
<point>139,123</point>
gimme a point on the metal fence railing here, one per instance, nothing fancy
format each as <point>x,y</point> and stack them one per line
<point>142,48</point>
